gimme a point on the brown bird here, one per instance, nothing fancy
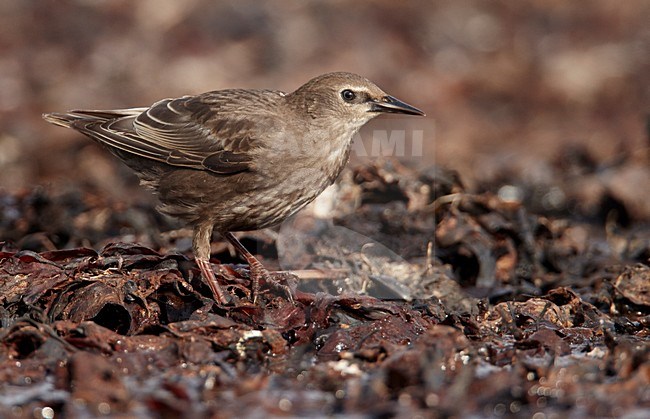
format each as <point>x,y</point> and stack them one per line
<point>239,160</point>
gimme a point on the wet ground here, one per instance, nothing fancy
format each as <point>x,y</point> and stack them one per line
<point>419,298</point>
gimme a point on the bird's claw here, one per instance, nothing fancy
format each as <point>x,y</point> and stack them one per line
<point>260,274</point>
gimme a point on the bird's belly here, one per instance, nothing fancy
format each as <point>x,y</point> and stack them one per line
<point>248,200</point>
<point>286,192</point>
<point>272,205</point>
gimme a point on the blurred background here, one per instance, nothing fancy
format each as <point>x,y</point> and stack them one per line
<point>514,91</point>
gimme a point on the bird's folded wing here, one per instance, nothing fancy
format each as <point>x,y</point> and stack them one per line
<point>212,132</point>
<point>179,139</point>
<point>209,132</point>
<point>221,161</point>
<point>216,131</point>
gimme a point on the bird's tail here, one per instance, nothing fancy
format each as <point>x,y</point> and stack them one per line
<point>69,118</point>
<point>60,119</point>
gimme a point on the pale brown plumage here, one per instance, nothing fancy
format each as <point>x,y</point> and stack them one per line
<point>237,160</point>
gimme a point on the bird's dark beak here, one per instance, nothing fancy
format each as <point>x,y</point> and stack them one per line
<point>389,104</point>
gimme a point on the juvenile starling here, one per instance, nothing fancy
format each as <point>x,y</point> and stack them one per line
<point>239,160</point>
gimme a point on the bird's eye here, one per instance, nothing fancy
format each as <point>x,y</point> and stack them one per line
<point>348,95</point>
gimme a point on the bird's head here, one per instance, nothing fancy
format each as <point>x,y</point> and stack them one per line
<point>351,99</point>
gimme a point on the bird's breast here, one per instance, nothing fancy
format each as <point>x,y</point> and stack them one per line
<point>296,175</point>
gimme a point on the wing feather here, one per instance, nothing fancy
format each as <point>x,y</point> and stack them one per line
<point>215,131</point>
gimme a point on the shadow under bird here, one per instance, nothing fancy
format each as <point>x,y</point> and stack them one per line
<point>237,159</point>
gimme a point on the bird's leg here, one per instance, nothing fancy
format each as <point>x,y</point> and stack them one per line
<point>201,248</point>
<point>257,270</point>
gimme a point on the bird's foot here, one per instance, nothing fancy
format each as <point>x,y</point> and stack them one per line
<point>260,275</point>
<point>208,276</point>
<point>258,272</point>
